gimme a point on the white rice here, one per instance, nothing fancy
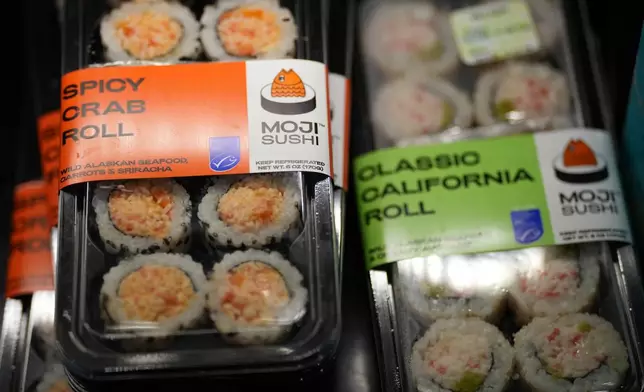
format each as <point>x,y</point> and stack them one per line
<point>602,340</point>
<point>188,45</point>
<point>52,376</point>
<point>462,331</point>
<point>455,286</point>
<point>114,312</point>
<point>116,241</point>
<point>213,47</point>
<point>489,83</point>
<point>579,299</point>
<point>377,29</point>
<point>396,125</point>
<point>219,233</point>
<point>284,319</point>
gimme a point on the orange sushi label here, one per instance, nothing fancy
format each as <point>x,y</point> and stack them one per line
<point>30,265</point>
<point>194,120</point>
<point>48,126</point>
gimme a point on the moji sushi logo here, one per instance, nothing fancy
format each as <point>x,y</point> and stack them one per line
<point>288,95</point>
<point>579,164</point>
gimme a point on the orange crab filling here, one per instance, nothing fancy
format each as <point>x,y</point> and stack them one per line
<point>60,386</point>
<point>149,34</point>
<point>255,292</point>
<point>248,31</point>
<point>142,208</point>
<point>155,293</point>
<point>250,205</point>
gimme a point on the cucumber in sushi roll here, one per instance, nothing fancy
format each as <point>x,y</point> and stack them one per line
<point>256,297</point>
<point>414,106</point>
<point>156,294</point>
<point>252,211</point>
<point>454,286</point>
<point>150,31</point>
<point>54,380</point>
<point>409,36</point>
<point>520,91</point>
<point>240,30</point>
<point>570,353</point>
<point>462,355</point>
<point>142,216</point>
<point>550,286</point>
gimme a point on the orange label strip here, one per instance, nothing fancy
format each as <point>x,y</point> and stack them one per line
<point>48,126</point>
<point>30,264</point>
<point>193,120</point>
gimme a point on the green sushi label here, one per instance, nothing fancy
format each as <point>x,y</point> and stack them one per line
<point>485,195</point>
<point>494,31</point>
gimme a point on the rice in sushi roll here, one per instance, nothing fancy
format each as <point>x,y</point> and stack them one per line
<point>546,286</point>
<point>570,353</point>
<point>462,355</point>
<point>521,91</point>
<point>240,30</point>
<point>150,31</point>
<point>142,216</point>
<point>409,36</point>
<point>411,107</point>
<point>255,297</point>
<point>454,286</point>
<point>54,380</point>
<point>251,211</point>
<point>154,294</point>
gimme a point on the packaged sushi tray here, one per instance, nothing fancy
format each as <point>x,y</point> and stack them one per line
<point>10,322</point>
<point>480,192</point>
<point>196,229</point>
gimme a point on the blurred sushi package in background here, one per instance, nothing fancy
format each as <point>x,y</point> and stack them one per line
<point>490,202</point>
<point>11,320</point>
<point>197,217</point>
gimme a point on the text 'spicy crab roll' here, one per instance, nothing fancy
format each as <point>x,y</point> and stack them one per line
<point>250,211</point>
<point>550,283</point>
<point>241,30</point>
<point>155,295</point>
<point>520,91</point>
<point>256,297</point>
<point>409,36</point>
<point>142,216</point>
<point>413,106</point>
<point>454,286</point>
<point>150,31</point>
<point>462,355</point>
<point>575,352</point>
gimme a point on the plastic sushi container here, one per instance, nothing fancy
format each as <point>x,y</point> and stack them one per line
<point>340,27</point>
<point>38,366</point>
<point>215,261</point>
<point>447,83</point>
<point>10,322</point>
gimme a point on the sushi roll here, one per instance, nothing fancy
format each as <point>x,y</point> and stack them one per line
<point>462,355</point>
<point>411,107</point>
<point>255,297</point>
<point>54,380</point>
<point>409,36</point>
<point>250,211</point>
<point>142,216</point>
<point>518,91</point>
<point>240,30</point>
<point>549,286</point>
<point>454,286</point>
<point>154,294</point>
<point>150,31</point>
<point>570,353</point>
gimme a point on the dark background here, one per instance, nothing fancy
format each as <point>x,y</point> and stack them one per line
<point>29,45</point>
